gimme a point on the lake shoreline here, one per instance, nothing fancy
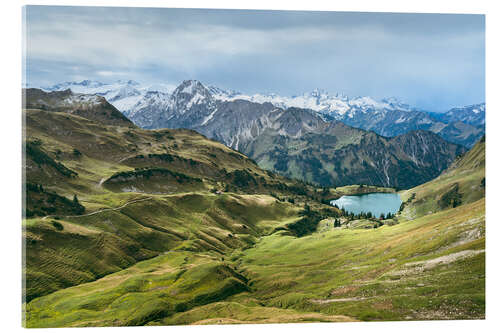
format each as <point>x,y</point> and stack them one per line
<point>338,192</point>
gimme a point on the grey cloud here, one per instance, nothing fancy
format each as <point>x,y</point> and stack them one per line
<point>435,61</point>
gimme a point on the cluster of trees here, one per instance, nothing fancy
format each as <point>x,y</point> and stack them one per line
<point>307,224</point>
<point>452,198</point>
<point>365,216</point>
<point>32,187</point>
<point>40,157</point>
<point>242,178</point>
<point>310,220</point>
<point>403,204</point>
<point>386,217</point>
<point>150,172</point>
<point>41,202</point>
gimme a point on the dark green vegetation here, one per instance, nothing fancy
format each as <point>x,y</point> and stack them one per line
<point>179,229</point>
<point>151,180</point>
<point>41,164</point>
<point>452,198</point>
<point>41,202</point>
<point>309,220</point>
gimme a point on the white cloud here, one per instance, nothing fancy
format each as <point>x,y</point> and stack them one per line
<point>111,73</point>
<point>190,47</point>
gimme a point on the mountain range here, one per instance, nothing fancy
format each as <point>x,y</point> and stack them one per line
<point>388,117</point>
<point>296,142</point>
<point>148,105</point>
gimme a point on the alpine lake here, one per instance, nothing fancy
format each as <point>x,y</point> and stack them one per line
<point>376,203</point>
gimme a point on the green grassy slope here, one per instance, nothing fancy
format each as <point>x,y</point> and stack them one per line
<point>432,267</point>
<point>60,254</point>
<point>170,283</point>
<point>174,282</point>
<point>429,268</point>
<point>463,182</point>
<point>94,244</point>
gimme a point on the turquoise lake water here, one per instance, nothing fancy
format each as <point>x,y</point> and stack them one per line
<point>376,203</point>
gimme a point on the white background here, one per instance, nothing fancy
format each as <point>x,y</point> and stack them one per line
<point>10,155</point>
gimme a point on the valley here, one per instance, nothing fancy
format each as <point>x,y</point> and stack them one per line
<point>127,226</point>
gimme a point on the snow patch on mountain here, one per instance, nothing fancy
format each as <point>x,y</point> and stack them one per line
<point>338,106</point>
<point>79,99</point>
<point>209,117</point>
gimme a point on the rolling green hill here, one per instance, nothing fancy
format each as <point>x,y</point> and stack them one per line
<point>84,157</point>
<point>79,248</point>
<point>404,272</point>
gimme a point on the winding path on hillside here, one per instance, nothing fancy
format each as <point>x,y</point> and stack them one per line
<point>103,210</point>
<point>101,181</point>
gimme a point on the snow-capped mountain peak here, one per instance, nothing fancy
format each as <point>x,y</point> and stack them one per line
<point>471,114</point>
<point>223,94</point>
<point>189,93</point>
<point>336,105</point>
<point>191,87</point>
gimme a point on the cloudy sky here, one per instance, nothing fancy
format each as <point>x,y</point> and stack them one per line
<point>431,61</point>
